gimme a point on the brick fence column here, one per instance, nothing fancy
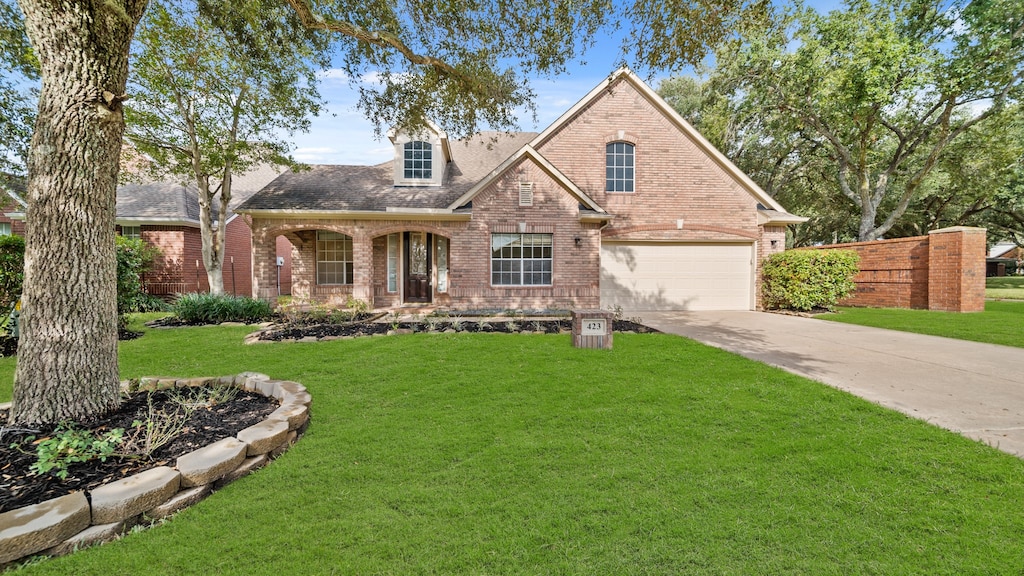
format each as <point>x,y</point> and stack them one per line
<point>956,269</point>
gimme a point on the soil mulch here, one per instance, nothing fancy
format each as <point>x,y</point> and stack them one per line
<point>298,331</point>
<point>19,486</point>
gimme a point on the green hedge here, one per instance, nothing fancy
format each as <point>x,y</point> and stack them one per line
<point>12,270</point>
<point>807,279</point>
<point>199,308</point>
<point>134,257</point>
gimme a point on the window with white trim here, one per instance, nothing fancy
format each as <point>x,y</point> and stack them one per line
<point>392,262</point>
<point>133,232</point>
<point>521,259</point>
<point>419,162</point>
<point>442,263</point>
<point>333,258</point>
<point>619,167</point>
<point>5,228</point>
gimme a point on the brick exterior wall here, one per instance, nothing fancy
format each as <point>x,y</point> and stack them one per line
<point>179,266</point>
<point>674,179</point>
<point>944,270</point>
<point>17,226</point>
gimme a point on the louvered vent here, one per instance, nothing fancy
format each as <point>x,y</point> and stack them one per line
<point>526,193</point>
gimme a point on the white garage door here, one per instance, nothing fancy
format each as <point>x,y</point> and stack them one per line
<point>643,276</point>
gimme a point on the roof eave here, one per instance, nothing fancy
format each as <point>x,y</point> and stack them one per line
<point>784,218</point>
<point>389,214</point>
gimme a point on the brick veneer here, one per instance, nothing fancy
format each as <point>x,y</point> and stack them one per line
<point>179,266</point>
<point>944,270</point>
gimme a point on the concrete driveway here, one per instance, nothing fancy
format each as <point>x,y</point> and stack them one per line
<point>967,387</point>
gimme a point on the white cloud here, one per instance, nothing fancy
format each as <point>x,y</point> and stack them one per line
<point>333,74</point>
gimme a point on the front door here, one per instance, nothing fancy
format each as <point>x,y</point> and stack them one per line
<point>417,267</point>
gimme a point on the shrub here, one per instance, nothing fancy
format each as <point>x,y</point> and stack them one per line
<point>807,279</point>
<point>200,308</point>
<point>134,258</point>
<point>12,270</point>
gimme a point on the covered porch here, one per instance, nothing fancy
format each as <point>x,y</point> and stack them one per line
<point>385,264</point>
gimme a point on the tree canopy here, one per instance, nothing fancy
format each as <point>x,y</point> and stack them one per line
<point>18,65</point>
<point>867,98</point>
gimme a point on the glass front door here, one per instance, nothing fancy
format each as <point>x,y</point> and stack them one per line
<point>417,267</point>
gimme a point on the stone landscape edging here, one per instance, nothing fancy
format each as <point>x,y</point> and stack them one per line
<point>65,524</point>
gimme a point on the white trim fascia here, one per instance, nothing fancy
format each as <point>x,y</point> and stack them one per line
<point>747,241</point>
<point>530,152</point>
<point>685,127</point>
<point>392,214</point>
<point>155,221</point>
<point>14,195</point>
<point>604,217</point>
<point>784,218</point>
<point>20,216</point>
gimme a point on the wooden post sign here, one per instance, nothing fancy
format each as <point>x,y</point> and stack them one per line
<point>592,329</point>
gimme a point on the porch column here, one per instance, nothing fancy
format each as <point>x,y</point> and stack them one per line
<point>362,268</point>
<point>264,264</point>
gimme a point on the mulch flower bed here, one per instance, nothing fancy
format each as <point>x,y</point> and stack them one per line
<point>19,486</point>
<point>300,330</point>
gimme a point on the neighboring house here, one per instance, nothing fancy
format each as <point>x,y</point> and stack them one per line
<point>620,202</point>
<point>12,202</point>
<point>166,216</point>
<point>1004,258</point>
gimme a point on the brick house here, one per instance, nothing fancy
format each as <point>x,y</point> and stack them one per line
<point>12,203</point>
<point>166,215</point>
<point>620,202</point>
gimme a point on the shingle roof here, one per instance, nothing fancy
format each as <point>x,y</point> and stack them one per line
<point>371,188</point>
<point>177,202</point>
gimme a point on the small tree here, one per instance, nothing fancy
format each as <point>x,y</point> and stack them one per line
<point>206,106</point>
<point>808,279</point>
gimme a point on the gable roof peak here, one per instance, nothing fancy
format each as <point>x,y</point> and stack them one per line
<point>428,127</point>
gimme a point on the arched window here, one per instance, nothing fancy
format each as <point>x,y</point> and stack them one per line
<point>418,160</point>
<point>619,167</point>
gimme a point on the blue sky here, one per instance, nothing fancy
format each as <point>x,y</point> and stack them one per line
<point>344,136</point>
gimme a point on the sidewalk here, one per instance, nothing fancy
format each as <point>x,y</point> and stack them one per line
<point>968,387</point>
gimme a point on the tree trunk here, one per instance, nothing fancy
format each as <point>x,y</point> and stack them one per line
<point>67,355</point>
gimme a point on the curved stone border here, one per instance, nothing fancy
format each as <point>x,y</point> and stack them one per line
<point>65,524</point>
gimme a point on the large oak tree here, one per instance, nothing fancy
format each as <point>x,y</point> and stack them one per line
<point>879,89</point>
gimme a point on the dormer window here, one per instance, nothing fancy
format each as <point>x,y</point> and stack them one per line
<point>421,157</point>
<point>418,160</point>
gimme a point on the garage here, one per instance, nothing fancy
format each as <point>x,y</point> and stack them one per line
<point>675,276</point>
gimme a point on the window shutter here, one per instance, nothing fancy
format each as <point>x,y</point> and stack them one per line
<point>526,193</point>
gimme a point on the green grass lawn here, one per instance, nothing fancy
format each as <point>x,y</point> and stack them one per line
<point>1009,287</point>
<point>1000,323</point>
<point>515,454</point>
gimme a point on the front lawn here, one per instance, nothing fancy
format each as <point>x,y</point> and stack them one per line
<point>1000,323</point>
<point>516,454</point>
<point>1009,287</point>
